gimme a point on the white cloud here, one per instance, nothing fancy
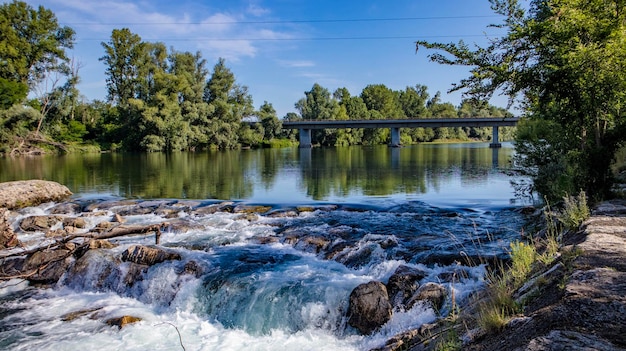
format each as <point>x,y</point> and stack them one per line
<point>296,63</point>
<point>322,79</point>
<point>217,34</point>
<point>232,50</point>
<point>256,10</point>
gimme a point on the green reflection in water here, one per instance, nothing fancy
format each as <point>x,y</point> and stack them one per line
<point>380,171</point>
<point>319,173</point>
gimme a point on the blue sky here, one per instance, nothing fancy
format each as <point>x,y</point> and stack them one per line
<point>280,48</point>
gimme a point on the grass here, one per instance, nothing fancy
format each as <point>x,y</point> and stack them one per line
<point>449,341</point>
<point>575,211</point>
<point>500,305</point>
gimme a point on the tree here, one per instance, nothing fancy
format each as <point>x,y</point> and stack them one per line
<point>123,54</point>
<point>31,43</point>
<point>413,101</point>
<point>319,105</point>
<point>191,74</point>
<point>272,126</point>
<point>11,93</point>
<point>564,61</point>
<point>355,109</point>
<point>384,100</point>
<point>230,103</point>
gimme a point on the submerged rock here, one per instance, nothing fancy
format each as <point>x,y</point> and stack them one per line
<point>403,283</point>
<point>26,193</point>
<point>431,293</point>
<point>369,307</point>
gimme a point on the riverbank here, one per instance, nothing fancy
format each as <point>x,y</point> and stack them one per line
<point>578,302</point>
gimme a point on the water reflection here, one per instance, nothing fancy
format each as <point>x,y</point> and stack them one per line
<point>277,175</point>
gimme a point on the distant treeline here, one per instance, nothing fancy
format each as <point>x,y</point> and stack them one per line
<point>160,99</point>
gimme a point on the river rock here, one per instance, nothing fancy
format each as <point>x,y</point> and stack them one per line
<point>369,307</point>
<point>251,209</point>
<point>403,284</point>
<point>101,244</point>
<point>39,223</point>
<point>117,218</point>
<point>148,256</point>
<point>123,321</point>
<point>312,243</point>
<point>26,193</point>
<point>76,222</point>
<point>431,293</point>
<point>568,340</point>
<point>47,265</point>
<point>8,238</point>
<point>66,208</point>
<point>95,269</point>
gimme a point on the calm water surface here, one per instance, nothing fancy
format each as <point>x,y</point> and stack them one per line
<point>446,174</point>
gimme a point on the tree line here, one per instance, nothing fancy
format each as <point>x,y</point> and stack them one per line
<point>161,99</point>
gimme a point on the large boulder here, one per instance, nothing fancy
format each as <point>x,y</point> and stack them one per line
<point>26,193</point>
<point>369,307</point>
<point>8,238</point>
<point>148,256</point>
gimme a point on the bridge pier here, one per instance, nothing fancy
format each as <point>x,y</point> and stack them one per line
<point>305,138</point>
<point>395,137</point>
<point>495,138</point>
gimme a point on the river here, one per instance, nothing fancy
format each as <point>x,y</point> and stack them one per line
<point>425,207</point>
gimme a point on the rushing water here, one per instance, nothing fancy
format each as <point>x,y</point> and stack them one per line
<point>264,282</point>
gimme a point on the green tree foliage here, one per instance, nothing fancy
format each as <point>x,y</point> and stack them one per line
<point>11,93</point>
<point>123,53</point>
<point>167,101</point>
<point>230,103</point>
<point>318,104</point>
<point>32,43</point>
<point>272,126</point>
<point>565,62</point>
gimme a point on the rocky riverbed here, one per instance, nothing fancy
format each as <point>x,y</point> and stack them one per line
<point>577,303</point>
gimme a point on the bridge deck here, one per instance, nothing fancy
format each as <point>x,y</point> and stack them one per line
<point>404,123</point>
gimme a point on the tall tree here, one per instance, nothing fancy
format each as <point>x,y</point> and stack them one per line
<point>123,55</point>
<point>318,104</point>
<point>565,61</point>
<point>230,103</point>
<point>413,101</point>
<point>32,43</point>
<point>272,126</point>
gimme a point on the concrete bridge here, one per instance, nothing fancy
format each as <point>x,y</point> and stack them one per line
<point>305,127</point>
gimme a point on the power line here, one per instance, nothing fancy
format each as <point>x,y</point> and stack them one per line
<point>390,19</point>
<point>415,37</point>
